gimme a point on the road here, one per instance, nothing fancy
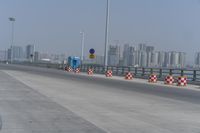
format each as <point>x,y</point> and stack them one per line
<point>40,100</point>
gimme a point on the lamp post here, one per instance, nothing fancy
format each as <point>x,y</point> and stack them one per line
<point>82,44</point>
<point>12,20</point>
<point>106,34</point>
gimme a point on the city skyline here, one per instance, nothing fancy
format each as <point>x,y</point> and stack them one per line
<point>55,26</point>
<point>145,56</point>
<point>141,55</point>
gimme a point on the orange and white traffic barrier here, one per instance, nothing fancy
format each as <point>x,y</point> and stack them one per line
<point>90,72</point>
<point>169,80</point>
<point>129,76</point>
<point>77,70</point>
<point>182,81</point>
<point>108,73</point>
<point>153,78</point>
<point>68,69</point>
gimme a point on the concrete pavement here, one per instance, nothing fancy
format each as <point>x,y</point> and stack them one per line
<point>24,110</point>
<point>112,105</point>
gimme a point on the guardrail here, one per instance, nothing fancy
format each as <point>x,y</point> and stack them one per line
<point>39,64</point>
<point>192,75</point>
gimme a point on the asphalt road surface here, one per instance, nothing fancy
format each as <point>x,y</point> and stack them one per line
<point>42,100</point>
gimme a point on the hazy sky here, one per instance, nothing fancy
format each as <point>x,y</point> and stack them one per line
<point>54,25</point>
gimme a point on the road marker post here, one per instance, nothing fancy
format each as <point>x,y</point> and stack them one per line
<point>77,70</point>
<point>90,71</point>
<point>169,80</point>
<point>68,69</point>
<point>153,78</point>
<point>182,81</point>
<point>108,73</point>
<point>129,76</point>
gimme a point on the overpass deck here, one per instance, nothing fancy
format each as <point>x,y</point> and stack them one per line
<point>93,104</point>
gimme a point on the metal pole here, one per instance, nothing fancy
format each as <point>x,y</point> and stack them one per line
<point>106,33</point>
<point>12,42</point>
<point>82,45</point>
<point>12,37</point>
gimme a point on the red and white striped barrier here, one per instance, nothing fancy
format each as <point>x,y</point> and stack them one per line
<point>90,72</point>
<point>129,76</point>
<point>153,78</point>
<point>169,80</point>
<point>77,70</point>
<point>182,81</point>
<point>108,73</point>
<point>68,69</point>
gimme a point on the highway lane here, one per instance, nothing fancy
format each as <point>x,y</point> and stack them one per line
<point>115,106</point>
<point>23,110</point>
<point>175,93</point>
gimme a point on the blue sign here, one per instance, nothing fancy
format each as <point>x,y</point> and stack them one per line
<point>92,51</point>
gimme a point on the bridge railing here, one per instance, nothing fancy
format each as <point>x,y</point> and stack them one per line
<point>192,74</point>
<point>41,64</point>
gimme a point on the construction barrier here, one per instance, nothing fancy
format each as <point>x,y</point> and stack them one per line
<point>108,73</point>
<point>169,80</point>
<point>65,68</point>
<point>68,69</point>
<point>90,72</point>
<point>77,70</point>
<point>129,76</point>
<point>182,81</point>
<point>153,78</point>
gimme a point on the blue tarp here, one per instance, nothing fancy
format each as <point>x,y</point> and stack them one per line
<point>74,62</point>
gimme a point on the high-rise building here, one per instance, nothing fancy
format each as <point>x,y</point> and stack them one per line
<point>182,59</point>
<point>30,49</point>
<point>149,50</point>
<point>161,59</point>
<point>132,56</point>
<point>143,59</point>
<point>174,59</point>
<point>36,56</point>
<point>126,55</point>
<point>3,55</point>
<point>155,59</point>
<point>137,58</point>
<point>149,58</point>
<point>113,55</point>
<point>197,59</point>
<point>167,62</point>
<point>9,55</point>
<point>142,47</point>
<point>15,53</point>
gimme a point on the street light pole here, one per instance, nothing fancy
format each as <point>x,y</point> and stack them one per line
<point>106,33</point>
<point>12,20</point>
<point>82,44</point>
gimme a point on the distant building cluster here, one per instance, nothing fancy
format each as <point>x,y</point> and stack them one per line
<point>113,55</point>
<point>136,56</point>
<point>144,56</point>
<point>197,60</point>
<point>18,53</point>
